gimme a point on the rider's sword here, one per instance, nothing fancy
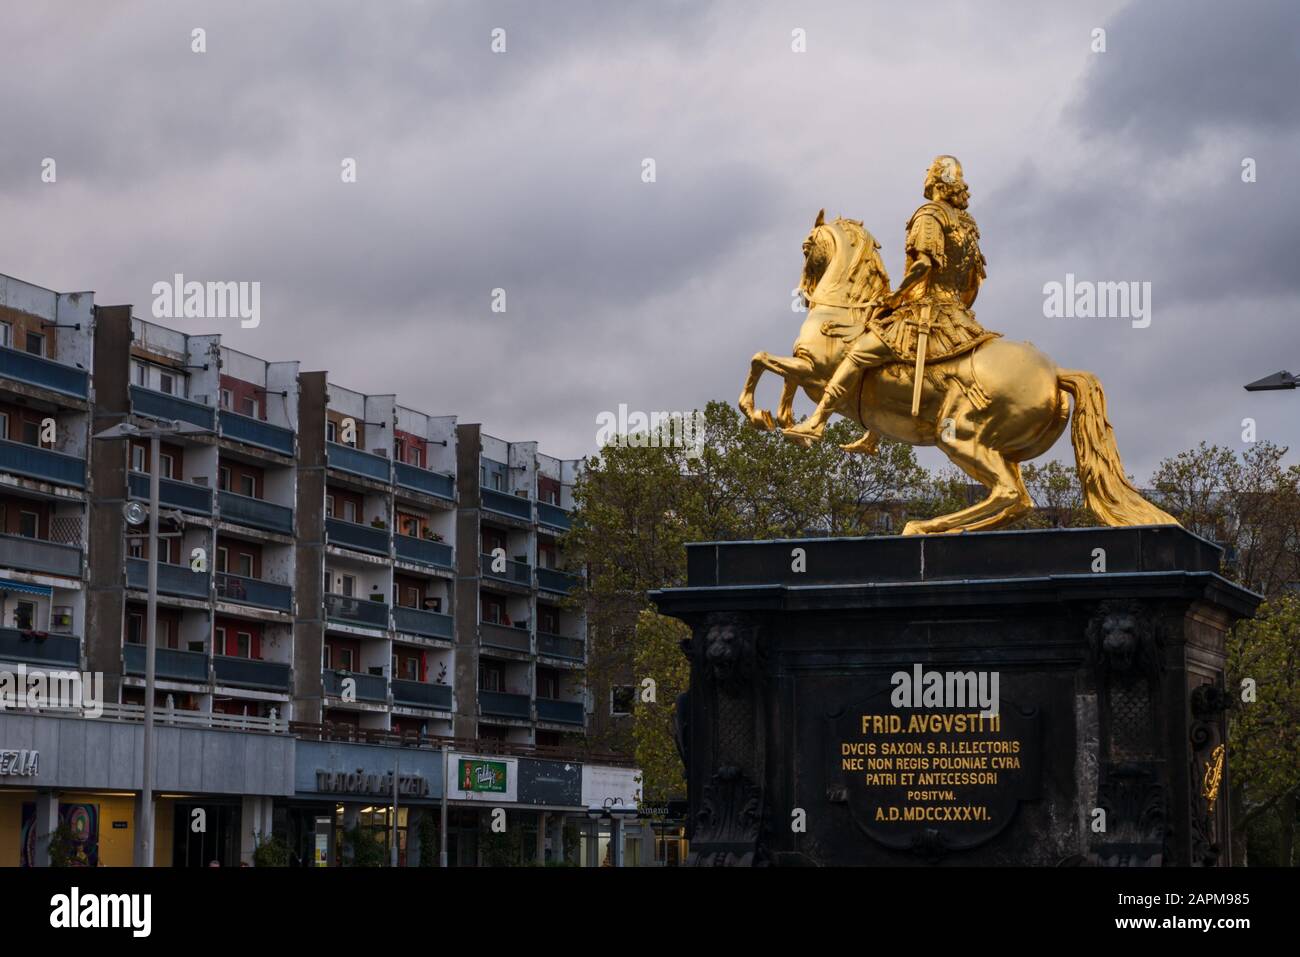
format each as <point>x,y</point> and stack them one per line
<point>922,337</point>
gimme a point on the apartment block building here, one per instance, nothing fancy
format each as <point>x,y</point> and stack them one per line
<point>328,556</point>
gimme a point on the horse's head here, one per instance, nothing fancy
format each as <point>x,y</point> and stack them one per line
<point>842,257</point>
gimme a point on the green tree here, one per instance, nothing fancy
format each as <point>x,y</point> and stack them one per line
<point>658,657</point>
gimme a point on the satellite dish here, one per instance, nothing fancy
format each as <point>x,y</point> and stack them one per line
<point>135,513</point>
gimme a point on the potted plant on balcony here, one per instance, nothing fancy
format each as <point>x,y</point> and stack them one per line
<point>378,522</point>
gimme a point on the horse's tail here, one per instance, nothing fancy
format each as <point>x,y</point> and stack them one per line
<point>1106,491</point>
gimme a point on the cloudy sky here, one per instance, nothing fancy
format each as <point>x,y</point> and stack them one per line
<point>522,170</point>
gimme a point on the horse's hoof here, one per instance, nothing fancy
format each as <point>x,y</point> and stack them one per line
<point>867,445</point>
<point>798,438</point>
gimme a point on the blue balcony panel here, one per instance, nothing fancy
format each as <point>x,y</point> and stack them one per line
<point>255,513</point>
<point>428,624</point>
<point>251,673</point>
<point>504,704</point>
<point>421,694</point>
<point>564,712</point>
<point>172,579</point>
<point>168,663</point>
<point>244,428</point>
<point>251,591</point>
<point>358,462</point>
<point>183,496</point>
<point>42,464</point>
<point>513,505</point>
<point>46,373</point>
<point>424,551</point>
<point>422,480</point>
<point>160,405</point>
<point>368,687</point>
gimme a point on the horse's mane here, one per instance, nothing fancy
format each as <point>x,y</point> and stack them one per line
<point>870,265</point>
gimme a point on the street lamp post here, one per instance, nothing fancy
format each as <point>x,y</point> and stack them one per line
<point>612,813</point>
<point>154,433</point>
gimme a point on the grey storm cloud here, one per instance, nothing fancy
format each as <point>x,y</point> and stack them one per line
<point>522,171</point>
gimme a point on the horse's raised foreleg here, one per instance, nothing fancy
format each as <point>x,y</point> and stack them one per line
<point>790,368</point>
<point>1008,498</point>
<point>785,411</point>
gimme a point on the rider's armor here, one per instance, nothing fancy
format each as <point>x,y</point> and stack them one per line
<point>950,238</point>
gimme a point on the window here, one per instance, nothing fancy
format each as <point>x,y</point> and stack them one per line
<point>137,459</point>
<point>327,656</point>
<point>491,677</point>
<point>29,524</point>
<point>166,383</point>
<point>223,478</point>
<point>6,335</point>
<point>221,558</point>
<point>329,506</point>
<point>331,432</point>
<point>139,373</point>
<point>349,585</point>
<point>31,432</point>
<point>221,641</point>
<point>620,700</point>
<point>412,597</point>
<point>4,425</point>
<point>135,629</point>
<point>25,615</point>
<point>411,669</point>
<point>36,343</point>
<point>135,548</point>
<point>166,465</point>
<point>399,449</point>
<point>248,485</point>
<point>350,512</point>
<point>246,565</point>
<point>243,644</point>
<point>548,685</point>
<point>227,399</point>
<point>416,458</point>
<point>344,659</point>
<point>250,407</point>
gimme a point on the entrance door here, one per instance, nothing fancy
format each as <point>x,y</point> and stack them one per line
<point>198,839</point>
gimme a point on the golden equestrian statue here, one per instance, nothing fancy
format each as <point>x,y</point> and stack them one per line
<point>914,366</point>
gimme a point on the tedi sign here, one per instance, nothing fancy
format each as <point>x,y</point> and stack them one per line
<point>20,764</point>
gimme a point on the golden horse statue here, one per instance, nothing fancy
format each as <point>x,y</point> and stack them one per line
<point>988,409</point>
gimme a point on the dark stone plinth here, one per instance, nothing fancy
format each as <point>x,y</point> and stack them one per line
<point>1108,648</point>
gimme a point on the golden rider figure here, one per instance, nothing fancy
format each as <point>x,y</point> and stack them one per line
<point>928,318</point>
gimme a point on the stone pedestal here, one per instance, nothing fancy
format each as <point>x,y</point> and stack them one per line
<point>803,742</point>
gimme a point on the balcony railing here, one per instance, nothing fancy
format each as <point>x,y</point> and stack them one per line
<point>554,516</point>
<point>251,673</point>
<point>255,513</point>
<point>48,650</point>
<point>43,464</point>
<point>363,538</point>
<point>35,370</point>
<point>168,663</point>
<point>513,505</point>
<point>518,573</point>
<point>557,646</point>
<point>548,579</point>
<point>424,551</point>
<point>504,636</point>
<point>564,712</point>
<point>417,621</point>
<point>422,480</point>
<point>185,496</point>
<point>244,428</point>
<point>172,579</point>
<point>357,462</point>
<point>253,591</point>
<point>504,704</point>
<point>38,555</point>
<point>368,687</point>
<point>160,405</point>
<point>422,694</point>
<point>356,611</point>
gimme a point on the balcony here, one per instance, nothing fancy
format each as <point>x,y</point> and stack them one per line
<point>251,673</point>
<point>557,646</point>
<point>504,636</point>
<point>252,591</point>
<point>361,538</point>
<point>554,516</point>
<point>549,579</point>
<point>246,429</point>
<point>429,624</point>
<point>38,555</point>
<point>45,373</point>
<point>255,513</point>
<point>517,573</point>
<point>421,694</point>
<point>42,464</point>
<point>18,645</point>
<point>368,687</point>
<point>365,464</point>
<point>504,704</point>
<point>172,579</point>
<point>184,496</point>
<point>422,480</point>
<point>356,611</point>
<point>168,663</point>
<point>424,551</point>
<point>513,505</point>
<point>160,405</point>
<point>564,712</point>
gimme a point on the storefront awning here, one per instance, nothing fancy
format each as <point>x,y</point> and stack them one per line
<point>26,589</point>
